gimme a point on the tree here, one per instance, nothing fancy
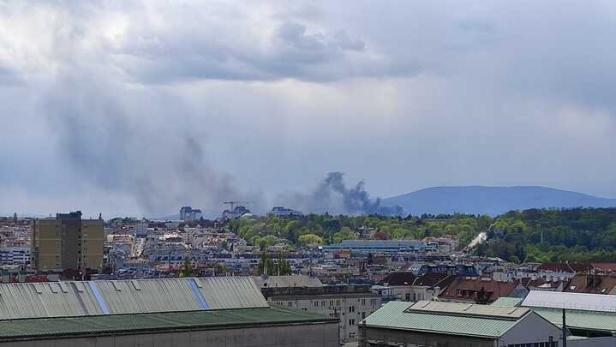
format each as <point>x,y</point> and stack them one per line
<point>186,270</point>
<point>310,240</point>
<point>279,267</point>
<point>345,233</point>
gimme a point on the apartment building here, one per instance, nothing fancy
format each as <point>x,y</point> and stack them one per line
<point>67,242</point>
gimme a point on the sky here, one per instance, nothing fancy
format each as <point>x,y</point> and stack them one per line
<point>140,107</point>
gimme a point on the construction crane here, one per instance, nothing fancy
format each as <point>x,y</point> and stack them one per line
<point>233,203</point>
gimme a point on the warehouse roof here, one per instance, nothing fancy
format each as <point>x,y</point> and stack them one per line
<point>581,320</point>
<point>575,301</point>
<point>61,299</point>
<point>156,322</point>
<point>494,321</point>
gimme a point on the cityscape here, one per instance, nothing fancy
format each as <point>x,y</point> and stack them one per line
<point>309,173</point>
<point>355,275</point>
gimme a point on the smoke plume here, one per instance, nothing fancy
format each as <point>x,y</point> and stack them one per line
<point>147,150</point>
<point>333,196</point>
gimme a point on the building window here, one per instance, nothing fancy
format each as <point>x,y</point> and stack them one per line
<point>363,302</point>
<point>351,308</point>
<point>351,321</point>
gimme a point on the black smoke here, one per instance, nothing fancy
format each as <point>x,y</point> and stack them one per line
<point>332,195</point>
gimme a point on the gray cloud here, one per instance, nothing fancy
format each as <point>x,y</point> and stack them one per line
<point>146,105</point>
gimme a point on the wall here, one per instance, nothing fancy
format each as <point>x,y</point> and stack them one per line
<point>350,309</point>
<point>92,243</point>
<point>391,337</point>
<point>532,329</point>
<point>311,335</point>
<point>46,244</point>
<point>608,341</point>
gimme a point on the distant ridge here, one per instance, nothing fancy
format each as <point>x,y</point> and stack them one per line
<point>491,200</point>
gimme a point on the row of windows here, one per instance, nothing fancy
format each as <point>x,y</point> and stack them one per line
<point>322,303</point>
<point>536,344</point>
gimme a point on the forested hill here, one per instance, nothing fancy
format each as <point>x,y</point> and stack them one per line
<point>491,200</point>
<point>580,235</point>
<point>530,235</point>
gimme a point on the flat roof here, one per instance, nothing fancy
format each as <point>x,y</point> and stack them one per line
<point>397,315</point>
<point>468,310</point>
<point>121,324</point>
<point>574,301</point>
<point>581,320</point>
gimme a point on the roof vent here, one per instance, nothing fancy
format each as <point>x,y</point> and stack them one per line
<point>135,284</point>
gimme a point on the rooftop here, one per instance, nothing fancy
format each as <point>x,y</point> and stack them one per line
<point>581,320</point>
<point>287,281</point>
<point>467,310</point>
<point>449,319</point>
<point>575,301</point>
<point>107,297</point>
<point>146,322</point>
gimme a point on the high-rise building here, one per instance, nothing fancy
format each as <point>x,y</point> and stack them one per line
<point>188,214</point>
<point>68,242</point>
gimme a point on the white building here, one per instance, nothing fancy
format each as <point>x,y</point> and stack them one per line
<point>15,256</point>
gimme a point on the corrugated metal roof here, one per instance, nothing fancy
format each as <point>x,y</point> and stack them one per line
<point>240,292</point>
<point>394,315</point>
<point>576,301</point>
<point>29,300</point>
<point>96,325</point>
<point>59,299</point>
<point>586,320</point>
<point>449,308</point>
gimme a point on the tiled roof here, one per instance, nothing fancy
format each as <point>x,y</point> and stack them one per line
<point>604,267</point>
<point>405,278</point>
<point>564,267</point>
<point>434,279</point>
<point>592,284</point>
<point>460,286</point>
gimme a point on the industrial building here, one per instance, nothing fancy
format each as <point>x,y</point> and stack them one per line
<point>68,242</point>
<point>431,323</point>
<point>205,312</point>
<point>380,246</point>
<point>350,304</point>
<point>590,317</point>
